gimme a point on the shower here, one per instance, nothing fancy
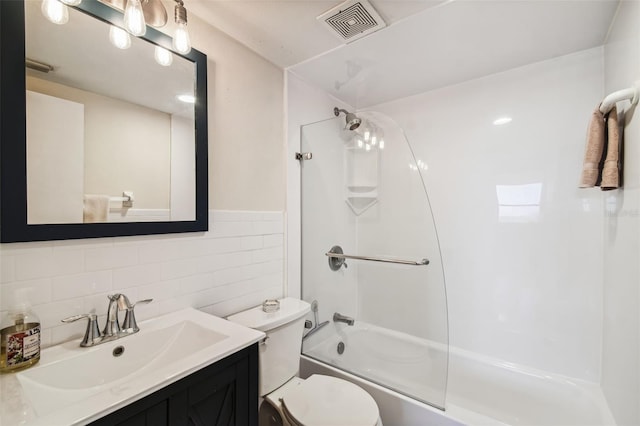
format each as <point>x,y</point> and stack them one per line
<point>352,121</point>
<point>387,311</point>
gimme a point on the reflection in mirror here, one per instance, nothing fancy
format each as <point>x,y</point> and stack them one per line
<point>111,150</point>
<point>108,137</point>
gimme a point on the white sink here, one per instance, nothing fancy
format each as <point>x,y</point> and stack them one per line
<point>75,385</point>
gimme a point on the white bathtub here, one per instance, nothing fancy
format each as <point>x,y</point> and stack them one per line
<point>480,390</point>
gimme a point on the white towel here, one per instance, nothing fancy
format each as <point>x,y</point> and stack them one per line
<point>96,208</point>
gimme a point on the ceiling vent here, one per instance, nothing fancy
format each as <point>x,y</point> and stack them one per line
<point>352,20</point>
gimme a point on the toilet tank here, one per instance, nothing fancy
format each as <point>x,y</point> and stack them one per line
<point>280,352</point>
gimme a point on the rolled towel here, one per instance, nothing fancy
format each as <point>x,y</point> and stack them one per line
<point>611,169</point>
<point>593,151</point>
<point>96,208</point>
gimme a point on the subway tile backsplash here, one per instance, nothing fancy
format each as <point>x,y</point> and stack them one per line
<point>235,265</point>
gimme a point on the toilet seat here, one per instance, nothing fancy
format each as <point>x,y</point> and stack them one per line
<point>329,401</point>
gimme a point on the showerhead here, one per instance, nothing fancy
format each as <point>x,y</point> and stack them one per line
<point>353,122</point>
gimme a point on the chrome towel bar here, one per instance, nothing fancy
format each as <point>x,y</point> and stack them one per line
<point>377,259</point>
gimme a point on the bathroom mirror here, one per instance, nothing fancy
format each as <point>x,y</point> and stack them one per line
<point>97,141</point>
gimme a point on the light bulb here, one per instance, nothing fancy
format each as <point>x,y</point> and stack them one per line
<point>163,56</point>
<point>360,144</point>
<point>119,37</point>
<point>134,18</point>
<point>71,2</point>
<point>367,147</point>
<point>181,41</point>
<point>367,134</point>
<point>374,140</point>
<point>381,144</point>
<point>55,11</point>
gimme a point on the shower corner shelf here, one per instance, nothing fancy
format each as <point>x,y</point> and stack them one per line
<point>361,198</point>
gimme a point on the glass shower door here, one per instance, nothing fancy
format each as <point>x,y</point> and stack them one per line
<point>370,254</point>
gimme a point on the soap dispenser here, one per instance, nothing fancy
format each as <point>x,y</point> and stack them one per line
<point>19,338</point>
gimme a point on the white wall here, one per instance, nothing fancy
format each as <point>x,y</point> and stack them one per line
<point>246,124</point>
<point>526,290</point>
<point>133,155</point>
<point>621,334</point>
<point>55,131</point>
<point>183,169</point>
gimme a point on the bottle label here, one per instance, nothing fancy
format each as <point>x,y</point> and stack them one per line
<point>23,346</point>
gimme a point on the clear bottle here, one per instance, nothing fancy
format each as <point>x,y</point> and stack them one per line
<point>19,339</point>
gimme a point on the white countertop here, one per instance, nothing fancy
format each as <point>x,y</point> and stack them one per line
<point>18,407</point>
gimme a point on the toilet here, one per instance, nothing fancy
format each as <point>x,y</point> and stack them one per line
<point>287,400</point>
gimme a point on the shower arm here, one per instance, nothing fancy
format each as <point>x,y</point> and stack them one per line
<point>378,259</point>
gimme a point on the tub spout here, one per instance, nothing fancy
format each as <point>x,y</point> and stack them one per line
<point>343,318</point>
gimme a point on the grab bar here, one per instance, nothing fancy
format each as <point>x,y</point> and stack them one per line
<point>377,259</point>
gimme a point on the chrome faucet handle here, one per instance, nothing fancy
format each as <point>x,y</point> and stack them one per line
<point>92,334</point>
<point>129,325</point>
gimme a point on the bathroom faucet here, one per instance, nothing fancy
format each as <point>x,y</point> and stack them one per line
<point>112,330</point>
<point>343,318</point>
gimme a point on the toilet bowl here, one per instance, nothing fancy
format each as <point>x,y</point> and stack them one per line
<point>288,400</point>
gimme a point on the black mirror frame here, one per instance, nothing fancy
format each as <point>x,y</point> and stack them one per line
<point>13,159</point>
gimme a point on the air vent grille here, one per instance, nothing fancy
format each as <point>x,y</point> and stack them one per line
<point>353,19</point>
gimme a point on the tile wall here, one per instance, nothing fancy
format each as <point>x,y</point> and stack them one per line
<point>235,265</point>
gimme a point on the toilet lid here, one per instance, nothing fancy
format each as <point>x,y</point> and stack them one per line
<point>329,401</point>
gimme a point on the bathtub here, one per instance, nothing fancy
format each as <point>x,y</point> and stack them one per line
<point>480,390</point>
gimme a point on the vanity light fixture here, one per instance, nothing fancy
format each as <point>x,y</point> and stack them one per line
<point>181,41</point>
<point>140,13</point>
<point>119,37</point>
<point>134,18</point>
<point>55,11</point>
<point>163,56</point>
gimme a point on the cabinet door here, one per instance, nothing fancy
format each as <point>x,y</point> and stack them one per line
<point>222,394</point>
<point>213,401</point>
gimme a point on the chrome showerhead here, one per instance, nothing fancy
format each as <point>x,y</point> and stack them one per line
<point>353,122</point>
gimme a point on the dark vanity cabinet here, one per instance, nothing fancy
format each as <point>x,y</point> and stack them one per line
<point>224,393</point>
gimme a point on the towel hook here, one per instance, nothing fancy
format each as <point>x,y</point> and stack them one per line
<point>636,93</point>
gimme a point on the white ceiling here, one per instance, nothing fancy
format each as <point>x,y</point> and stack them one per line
<point>286,31</point>
<point>428,44</point>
